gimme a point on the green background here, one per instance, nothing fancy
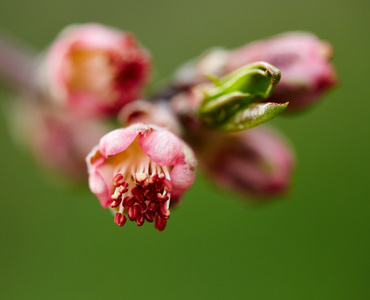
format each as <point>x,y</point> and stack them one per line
<point>58,243</point>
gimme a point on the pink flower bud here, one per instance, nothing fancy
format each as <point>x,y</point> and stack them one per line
<point>303,59</point>
<point>149,113</point>
<point>57,140</point>
<point>94,70</point>
<point>149,158</point>
<point>255,162</point>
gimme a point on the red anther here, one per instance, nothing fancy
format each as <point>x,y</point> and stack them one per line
<point>164,212</point>
<point>115,203</point>
<point>153,178</point>
<point>128,201</point>
<point>141,207</point>
<point>153,206</point>
<point>137,192</point>
<point>149,216</point>
<point>120,219</point>
<point>167,185</point>
<point>158,187</point>
<point>149,195</point>
<point>118,180</point>
<point>125,185</point>
<point>162,198</point>
<point>160,223</point>
<point>140,219</point>
<point>132,212</point>
<point>146,185</point>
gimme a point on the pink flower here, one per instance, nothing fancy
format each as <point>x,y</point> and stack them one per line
<point>94,70</point>
<point>303,59</point>
<point>139,171</point>
<point>255,162</point>
<point>58,141</point>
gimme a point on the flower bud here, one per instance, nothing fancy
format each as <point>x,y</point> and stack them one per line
<point>94,70</point>
<point>58,141</point>
<point>301,57</point>
<point>255,162</point>
<point>145,112</point>
<point>303,61</point>
<point>232,102</point>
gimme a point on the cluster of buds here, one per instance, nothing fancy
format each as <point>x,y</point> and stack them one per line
<point>93,74</point>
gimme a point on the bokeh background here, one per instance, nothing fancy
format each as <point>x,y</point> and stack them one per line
<point>57,242</point>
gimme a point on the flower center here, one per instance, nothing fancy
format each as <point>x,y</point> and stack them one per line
<point>143,194</point>
<point>82,69</point>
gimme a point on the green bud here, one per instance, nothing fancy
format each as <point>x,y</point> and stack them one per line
<point>230,102</point>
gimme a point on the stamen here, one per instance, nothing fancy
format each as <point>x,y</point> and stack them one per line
<point>132,212</point>
<point>115,203</point>
<point>168,204</point>
<point>162,198</point>
<point>120,219</point>
<point>160,223</point>
<point>121,209</point>
<point>165,170</point>
<point>117,193</point>
<point>147,168</point>
<point>128,201</point>
<point>153,206</point>
<point>153,167</point>
<point>141,207</point>
<point>118,180</point>
<point>140,219</point>
<point>141,177</point>
<point>149,216</point>
<point>164,212</point>
<point>167,185</point>
<point>138,194</point>
<point>148,195</point>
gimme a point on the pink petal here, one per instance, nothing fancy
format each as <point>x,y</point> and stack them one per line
<point>162,146</point>
<point>98,184</point>
<point>183,173</point>
<point>92,36</point>
<point>182,178</point>
<point>116,141</point>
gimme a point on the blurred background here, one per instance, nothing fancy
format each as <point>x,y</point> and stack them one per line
<point>58,243</point>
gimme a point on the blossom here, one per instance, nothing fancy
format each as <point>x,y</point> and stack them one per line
<point>146,112</point>
<point>57,140</point>
<point>94,70</point>
<point>139,171</point>
<point>256,162</point>
<point>302,58</point>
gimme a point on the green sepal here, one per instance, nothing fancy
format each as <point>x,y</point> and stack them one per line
<point>258,79</point>
<point>236,91</point>
<point>214,79</point>
<point>255,114</point>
